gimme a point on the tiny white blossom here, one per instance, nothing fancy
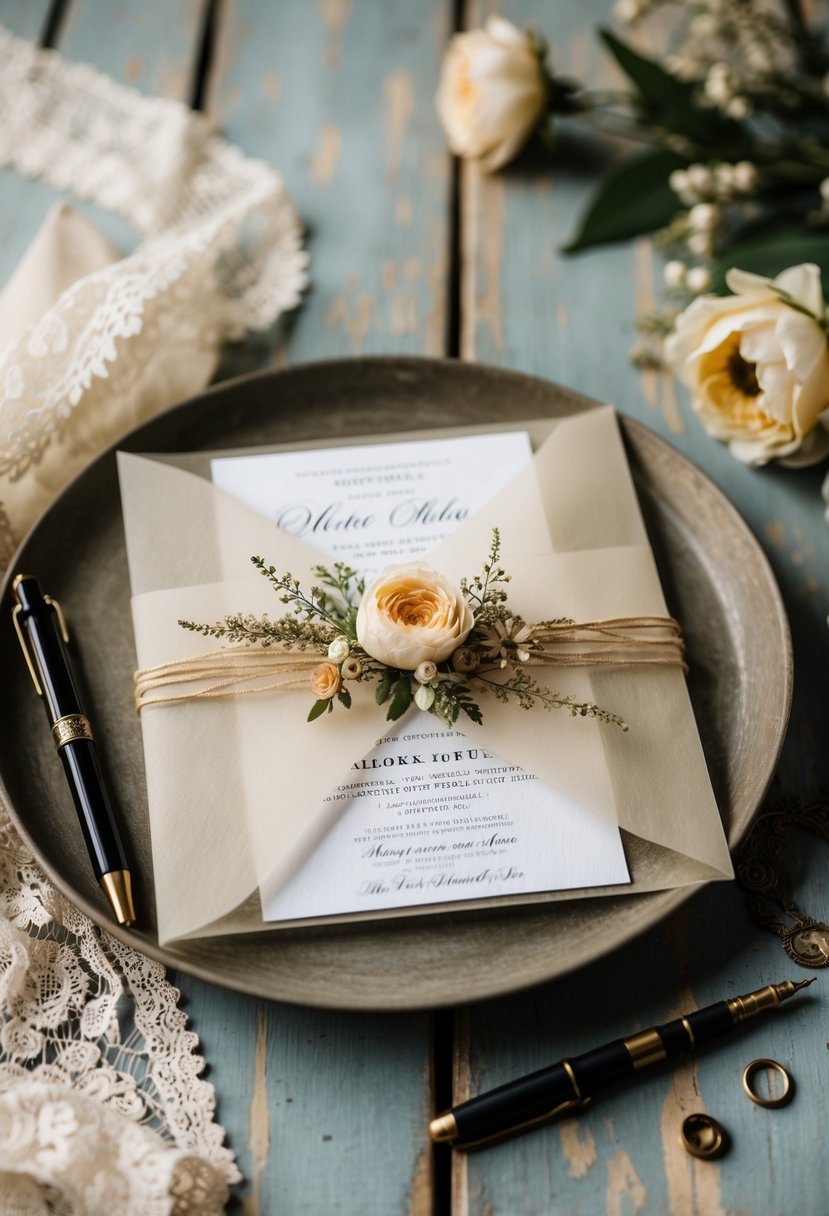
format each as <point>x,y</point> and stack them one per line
<point>724,176</point>
<point>717,83</point>
<point>701,178</point>
<point>674,273</point>
<point>738,107</point>
<point>698,279</point>
<point>700,244</point>
<point>745,176</point>
<point>704,25</point>
<point>704,217</point>
<point>339,649</point>
<point>626,10</point>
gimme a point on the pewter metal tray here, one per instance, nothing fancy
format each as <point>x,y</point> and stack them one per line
<point>716,580</point>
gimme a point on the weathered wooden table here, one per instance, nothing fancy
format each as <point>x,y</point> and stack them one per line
<point>328,1112</point>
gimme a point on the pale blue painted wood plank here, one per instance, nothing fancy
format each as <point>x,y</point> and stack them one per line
<point>26,18</point>
<point>23,206</point>
<point>338,98</point>
<point>150,45</point>
<point>571,320</point>
<point>325,1111</point>
<point>340,103</point>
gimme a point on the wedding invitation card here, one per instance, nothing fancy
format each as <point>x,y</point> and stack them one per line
<point>427,817</point>
<point>256,812</point>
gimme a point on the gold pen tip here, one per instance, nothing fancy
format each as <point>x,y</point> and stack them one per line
<point>443,1129</point>
<point>118,887</point>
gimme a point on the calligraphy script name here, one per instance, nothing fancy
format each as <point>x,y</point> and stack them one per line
<point>300,519</point>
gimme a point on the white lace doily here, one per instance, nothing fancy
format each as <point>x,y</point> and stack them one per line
<point>221,255</point>
<point>102,1108</point>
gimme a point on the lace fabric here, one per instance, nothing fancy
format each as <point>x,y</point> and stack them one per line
<point>221,256</point>
<point>102,1106</point>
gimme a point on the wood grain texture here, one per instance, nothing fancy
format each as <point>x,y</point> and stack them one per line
<point>525,305</point>
<point>338,97</point>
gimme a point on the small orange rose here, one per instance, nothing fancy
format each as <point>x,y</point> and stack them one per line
<point>325,681</point>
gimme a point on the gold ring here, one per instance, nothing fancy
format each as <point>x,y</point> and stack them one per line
<point>748,1075</point>
<point>702,1136</point>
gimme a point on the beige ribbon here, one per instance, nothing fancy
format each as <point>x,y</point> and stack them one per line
<point>257,670</point>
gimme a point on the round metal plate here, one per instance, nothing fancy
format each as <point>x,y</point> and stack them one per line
<point>716,580</point>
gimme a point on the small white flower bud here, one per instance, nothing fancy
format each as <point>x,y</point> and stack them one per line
<point>745,176</point>
<point>351,668</point>
<point>704,26</point>
<point>717,83</point>
<point>704,217</point>
<point>425,671</point>
<point>424,696</point>
<point>701,178</point>
<point>824,189</point>
<point>700,244</point>
<point>679,181</point>
<point>626,10</point>
<point>738,108</point>
<point>339,649</point>
<point>724,176</point>
<point>698,279</point>
<point>674,273</point>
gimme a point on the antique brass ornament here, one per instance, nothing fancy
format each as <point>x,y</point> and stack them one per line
<point>702,1136</point>
<point>763,873</point>
<point>770,1102</point>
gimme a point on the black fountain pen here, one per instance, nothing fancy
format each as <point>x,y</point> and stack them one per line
<point>39,620</point>
<point>564,1088</point>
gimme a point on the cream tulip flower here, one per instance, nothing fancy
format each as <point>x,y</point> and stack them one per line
<point>757,363</point>
<point>492,92</point>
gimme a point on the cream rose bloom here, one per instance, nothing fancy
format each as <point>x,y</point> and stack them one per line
<point>410,615</point>
<point>757,363</point>
<point>492,92</point>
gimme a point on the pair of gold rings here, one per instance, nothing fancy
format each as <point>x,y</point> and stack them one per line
<point>703,1136</point>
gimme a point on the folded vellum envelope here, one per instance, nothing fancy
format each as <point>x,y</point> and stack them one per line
<point>236,786</point>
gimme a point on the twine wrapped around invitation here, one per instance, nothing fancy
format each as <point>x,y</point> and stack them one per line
<point>240,672</point>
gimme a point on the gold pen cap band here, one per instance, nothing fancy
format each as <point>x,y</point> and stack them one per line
<point>118,887</point>
<point>70,728</point>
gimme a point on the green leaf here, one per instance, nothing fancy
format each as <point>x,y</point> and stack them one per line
<point>671,102</point>
<point>383,690</point>
<point>632,200</point>
<point>401,700</point>
<point>344,697</point>
<point>772,248</point>
<point>318,708</point>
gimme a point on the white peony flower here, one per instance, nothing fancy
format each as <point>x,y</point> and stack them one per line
<point>757,363</point>
<point>411,615</point>
<point>492,92</point>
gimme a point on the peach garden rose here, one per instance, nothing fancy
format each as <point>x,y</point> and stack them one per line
<point>411,615</point>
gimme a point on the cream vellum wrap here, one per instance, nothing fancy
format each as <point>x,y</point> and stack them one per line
<point>237,786</point>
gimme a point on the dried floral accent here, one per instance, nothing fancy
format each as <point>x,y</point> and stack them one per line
<point>447,644</point>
